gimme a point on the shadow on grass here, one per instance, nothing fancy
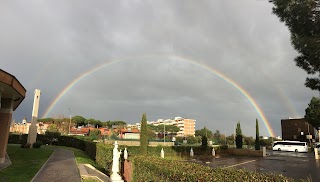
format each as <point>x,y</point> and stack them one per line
<point>25,163</point>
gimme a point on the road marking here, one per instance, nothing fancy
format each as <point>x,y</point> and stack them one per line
<point>240,164</point>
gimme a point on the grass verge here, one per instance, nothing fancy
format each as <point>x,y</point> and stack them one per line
<point>25,163</point>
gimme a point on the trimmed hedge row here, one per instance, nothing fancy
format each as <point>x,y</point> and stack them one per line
<point>152,167</point>
<point>158,169</point>
<point>68,141</point>
<point>104,153</point>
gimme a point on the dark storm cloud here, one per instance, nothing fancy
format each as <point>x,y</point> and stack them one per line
<point>48,44</point>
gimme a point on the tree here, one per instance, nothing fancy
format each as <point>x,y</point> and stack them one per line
<point>249,141</point>
<point>144,135</point>
<point>238,136</point>
<point>204,141</point>
<point>111,124</point>
<point>218,138</point>
<point>238,129</point>
<point>45,120</point>
<point>94,134</point>
<point>52,128</point>
<point>150,132</point>
<point>257,141</point>
<point>312,115</point>
<point>79,120</point>
<point>302,17</point>
<point>204,132</point>
<point>170,128</point>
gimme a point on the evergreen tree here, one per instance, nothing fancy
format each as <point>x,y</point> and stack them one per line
<point>302,17</point>
<point>238,129</point>
<point>313,112</point>
<point>238,136</point>
<point>204,142</point>
<point>144,135</point>
<point>257,142</point>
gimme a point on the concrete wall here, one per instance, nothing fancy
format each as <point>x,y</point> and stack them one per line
<point>245,152</point>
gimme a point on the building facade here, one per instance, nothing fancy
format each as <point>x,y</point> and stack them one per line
<point>186,126</point>
<point>297,129</point>
<point>23,127</point>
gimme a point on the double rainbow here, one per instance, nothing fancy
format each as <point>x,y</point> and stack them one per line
<point>174,57</point>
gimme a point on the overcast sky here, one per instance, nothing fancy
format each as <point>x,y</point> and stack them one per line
<point>48,44</point>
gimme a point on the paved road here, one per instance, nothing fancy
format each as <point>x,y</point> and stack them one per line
<point>291,164</point>
<point>61,167</point>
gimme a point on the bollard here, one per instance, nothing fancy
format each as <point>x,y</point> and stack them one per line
<point>264,151</point>
<point>213,152</point>
<point>316,155</point>
<point>191,152</point>
<point>162,153</point>
<point>125,154</point>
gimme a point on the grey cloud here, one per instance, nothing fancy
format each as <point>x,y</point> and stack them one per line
<point>48,44</point>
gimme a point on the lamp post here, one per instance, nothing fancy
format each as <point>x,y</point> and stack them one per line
<point>234,135</point>
<point>69,121</point>
<point>164,133</point>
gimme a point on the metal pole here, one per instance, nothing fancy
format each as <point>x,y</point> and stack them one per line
<point>234,135</point>
<point>69,121</point>
<point>164,133</point>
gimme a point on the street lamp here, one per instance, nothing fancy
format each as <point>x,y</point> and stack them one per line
<point>164,133</point>
<point>70,120</point>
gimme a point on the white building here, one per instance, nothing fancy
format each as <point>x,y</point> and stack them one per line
<point>186,126</point>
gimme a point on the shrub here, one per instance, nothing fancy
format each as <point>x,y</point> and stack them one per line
<point>70,141</point>
<point>104,156</point>
<point>91,149</point>
<point>25,145</point>
<point>53,134</point>
<point>37,144</point>
<point>224,147</point>
<point>17,138</point>
<point>157,169</point>
<point>45,139</point>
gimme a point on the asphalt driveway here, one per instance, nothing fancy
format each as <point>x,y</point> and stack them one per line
<point>291,164</point>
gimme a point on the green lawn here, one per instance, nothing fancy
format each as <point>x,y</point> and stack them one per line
<point>25,163</point>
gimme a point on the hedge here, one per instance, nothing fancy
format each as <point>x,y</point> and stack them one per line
<point>158,169</point>
<point>104,156</point>
<point>68,141</point>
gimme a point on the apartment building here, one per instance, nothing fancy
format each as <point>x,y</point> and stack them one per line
<point>186,126</point>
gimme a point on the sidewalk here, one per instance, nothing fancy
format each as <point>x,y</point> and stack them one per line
<point>61,166</point>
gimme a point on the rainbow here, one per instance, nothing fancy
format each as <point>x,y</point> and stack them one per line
<point>174,57</point>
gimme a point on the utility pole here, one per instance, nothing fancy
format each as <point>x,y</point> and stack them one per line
<point>164,133</point>
<point>69,120</point>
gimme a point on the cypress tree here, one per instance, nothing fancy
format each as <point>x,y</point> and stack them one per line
<point>257,142</point>
<point>144,135</point>
<point>204,142</point>
<point>238,129</point>
<point>238,136</point>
